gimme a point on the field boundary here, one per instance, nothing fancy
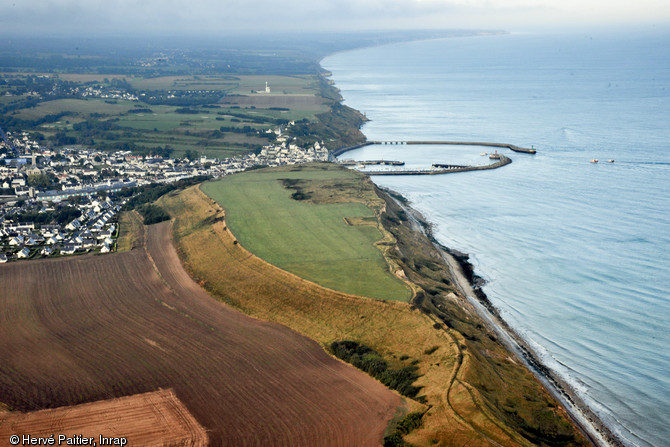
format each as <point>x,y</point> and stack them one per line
<point>127,417</point>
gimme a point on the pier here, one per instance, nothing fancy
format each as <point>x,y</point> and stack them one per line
<point>446,169</point>
<point>444,166</point>
<point>342,150</point>
<point>463,143</point>
<point>441,168</point>
<point>373,162</point>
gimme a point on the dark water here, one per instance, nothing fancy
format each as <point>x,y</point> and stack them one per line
<point>576,255</point>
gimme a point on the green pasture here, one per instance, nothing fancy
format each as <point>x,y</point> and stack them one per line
<point>239,84</point>
<point>290,85</point>
<point>79,106</point>
<point>164,119</point>
<point>295,113</point>
<point>310,240</point>
<point>203,82</point>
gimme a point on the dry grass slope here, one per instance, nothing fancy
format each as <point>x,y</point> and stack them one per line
<point>130,231</point>
<point>457,414</point>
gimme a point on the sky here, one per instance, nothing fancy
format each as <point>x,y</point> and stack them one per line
<point>48,17</point>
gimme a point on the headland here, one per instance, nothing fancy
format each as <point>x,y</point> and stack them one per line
<point>470,286</point>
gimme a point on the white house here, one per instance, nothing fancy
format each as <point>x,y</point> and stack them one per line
<point>74,225</point>
<point>24,253</point>
<point>17,240</point>
<point>68,249</point>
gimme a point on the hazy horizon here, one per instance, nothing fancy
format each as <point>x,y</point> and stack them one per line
<point>206,17</point>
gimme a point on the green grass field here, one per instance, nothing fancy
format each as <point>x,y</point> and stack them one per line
<point>238,84</point>
<point>310,240</point>
<point>79,106</point>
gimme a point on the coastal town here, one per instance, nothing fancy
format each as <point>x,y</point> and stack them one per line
<point>64,201</point>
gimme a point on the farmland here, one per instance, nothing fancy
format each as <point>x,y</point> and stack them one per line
<point>230,84</point>
<point>216,115</point>
<point>148,419</point>
<point>477,393</point>
<point>134,322</point>
<point>332,244</point>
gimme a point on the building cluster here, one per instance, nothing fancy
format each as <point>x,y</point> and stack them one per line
<point>59,90</point>
<point>95,229</point>
<point>34,179</point>
<point>102,92</point>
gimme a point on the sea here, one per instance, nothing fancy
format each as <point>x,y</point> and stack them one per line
<point>575,254</point>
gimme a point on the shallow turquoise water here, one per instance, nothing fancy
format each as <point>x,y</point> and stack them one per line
<point>576,254</point>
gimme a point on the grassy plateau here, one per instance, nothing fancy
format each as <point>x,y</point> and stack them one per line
<point>329,239</point>
<point>472,392</point>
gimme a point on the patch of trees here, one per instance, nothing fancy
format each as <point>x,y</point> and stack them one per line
<point>8,122</point>
<point>405,426</point>
<point>152,192</point>
<point>44,181</point>
<point>189,111</point>
<point>157,151</point>
<point>369,360</point>
<point>191,155</point>
<point>140,110</point>
<point>61,216</point>
<point>94,127</point>
<point>181,98</point>
<point>63,139</point>
<point>152,214</point>
<point>255,118</point>
<point>241,129</point>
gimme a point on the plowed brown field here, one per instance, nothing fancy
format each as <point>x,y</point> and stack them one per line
<point>148,419</point>
<point>75,330</point>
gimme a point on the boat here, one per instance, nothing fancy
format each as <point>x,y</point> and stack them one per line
<point>611,160</point>
<point>483,154</point>
<point>594,160</point>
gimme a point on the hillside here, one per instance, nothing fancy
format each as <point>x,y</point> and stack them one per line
<point>476,392</point>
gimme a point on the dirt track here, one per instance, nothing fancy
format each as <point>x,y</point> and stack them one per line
<point>83,329</point>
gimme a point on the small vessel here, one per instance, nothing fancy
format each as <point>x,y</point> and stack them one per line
<point>594,160</point>
<point>483,154</point>
<point>611,160</point>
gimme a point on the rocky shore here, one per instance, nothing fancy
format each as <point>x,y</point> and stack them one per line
<point>469,286</point>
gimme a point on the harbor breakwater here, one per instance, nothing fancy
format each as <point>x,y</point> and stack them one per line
<point>502,160</point>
